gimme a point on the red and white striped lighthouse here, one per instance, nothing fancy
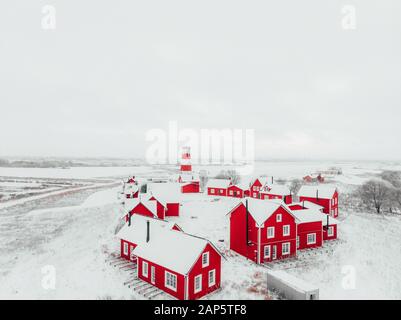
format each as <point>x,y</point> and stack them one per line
<point>186,159</point>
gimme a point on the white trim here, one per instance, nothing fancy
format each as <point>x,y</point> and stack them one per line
<point>264,251</point>
<point>125,248</point>
<point>205,264</point>
<point>145,267</point>
<point>166,280</point>
<point>314,238</point>
<point>259,241</point>
<point>330,231</point>
<point>289,230</point>
<point>196,290</point>
<point>279,216</point>
<point>272,236</point>
<point>283,245</point>
<point>211,283</point>
<point>153,274</point>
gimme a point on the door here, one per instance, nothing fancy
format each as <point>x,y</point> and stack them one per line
<point>152,274</point>
<point>274,253</point>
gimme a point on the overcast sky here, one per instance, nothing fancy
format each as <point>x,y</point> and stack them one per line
<point>112,70</point>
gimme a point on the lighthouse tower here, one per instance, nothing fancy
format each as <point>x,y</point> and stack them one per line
<point>186,160</point>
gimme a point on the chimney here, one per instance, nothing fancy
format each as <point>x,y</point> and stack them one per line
<point>129,219</point>
<point>272,179</point>
<point>147,231</point>
<point>327,222</point>
<point>247,218</point>
<point>317,194</point>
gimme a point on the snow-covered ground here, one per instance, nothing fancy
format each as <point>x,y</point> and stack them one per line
<point>71,233</point>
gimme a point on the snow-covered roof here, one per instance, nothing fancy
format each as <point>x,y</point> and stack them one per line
<point>177,251</point>
<point>130,204</point>
<point>264,180</point>
<point>244,185</point>
<point>292,281</point>
<point>308,205</point>
<point>136,232</point>
<point>218,183</point>
<point>128,188</point>
<point>323,192</point>
<point>277,189</point>
<point>261,210</point>
<point>169,192</point>
<point>313,215</point>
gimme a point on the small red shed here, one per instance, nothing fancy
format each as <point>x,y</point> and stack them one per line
<point>217,187</point>
<point>276,191</point>
<point>182,265</point>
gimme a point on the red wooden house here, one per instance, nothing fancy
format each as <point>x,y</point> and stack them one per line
<point>182,265</point>
<point>330,229</point>
<point>217,187</point>
<point>235,191</point>
<point>190,187</point>
<point>262,230</point>
<point>136,230</point>
<point>131,180</point>
<point>131,191</point>
<point>166,207</point>
<point>276,191</point>
<point>325,196</point>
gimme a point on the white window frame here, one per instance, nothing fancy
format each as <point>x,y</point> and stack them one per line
<point>205,264</point>
<point>212,190</point>
<point>168,280</point>
<point>285,227</point>
<point>125,248</point>
<point>196,290</point>
<point>145,267</point>
<point>279,217</point>
<point>268,250</point>
<point>268,232</point>
<point>221,191</point>
<point>285,245</point>
<point>314,238</point>
<point>231,192</point>
<point>213,282</point>
<point>330,231</point>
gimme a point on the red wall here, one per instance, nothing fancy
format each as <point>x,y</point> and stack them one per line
<point>173,210</point>
<point>140,209</point>
<point>217,192</point>
<point>190,188</point>
<point>311,227</point>
<point>256,183</point>
<point>197,269</point>
<point>159,278</point>
<point>279,238</point>
<point>326,237</point>
<point>288,198</point>
<point>327,204</point>
<point>131,246</point>
<point>238,233</point>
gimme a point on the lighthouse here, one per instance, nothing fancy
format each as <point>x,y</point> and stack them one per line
<point>186,160</point>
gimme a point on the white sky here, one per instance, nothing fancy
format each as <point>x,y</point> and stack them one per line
<point>111,70</point>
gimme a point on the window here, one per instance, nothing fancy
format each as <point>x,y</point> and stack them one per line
<point>211,190</point>
<point>125,248</point>
<point>285,248</point>
<point>198,283</point>
<point>221,191</point>
<point>255,194</point>
<point>231,192</point>
<point>170,281</point>
<point>212,277</point>
<point>330,231</point>
<point>286,230</point>
<point>278,217</point>
<point>270,232</point>
<point>267,252</point>
<point>144,268</point>
<point>311,238</point>
<point>205,259</point>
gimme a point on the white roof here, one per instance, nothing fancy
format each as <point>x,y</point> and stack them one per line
<point>244,185</point>
<point>173,250</point>
<point>128,188</point>
<point>169,192</point>
<point>218,183</point>
<point>292,281</point>
<point>136,232</point>
<point>263,180</point>
<point>277,189</point>
<point>308,205</point>
<point>323,192</point>
<point>261,210</point>
<point>130,204</point>
<point>313,215</point>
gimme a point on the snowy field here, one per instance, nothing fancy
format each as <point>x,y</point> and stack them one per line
<point>69,232</point>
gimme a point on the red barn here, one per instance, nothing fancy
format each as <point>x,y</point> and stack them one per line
<point>276,191</point>
<point>182,265</point>
<point>309,228</point>
<point>263,230</point>
<point>325,196</point>
<point>217,187</point>
<point>134,233</point>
